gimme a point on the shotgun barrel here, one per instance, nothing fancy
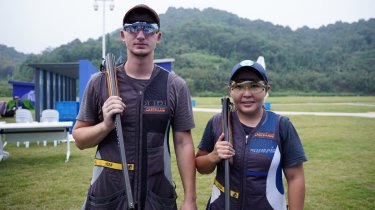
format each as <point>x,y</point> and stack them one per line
<point>226,124</point>
<point>113,90</point>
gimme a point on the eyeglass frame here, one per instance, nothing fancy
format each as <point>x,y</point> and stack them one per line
<point>128,28</point>
<point>234,86</point>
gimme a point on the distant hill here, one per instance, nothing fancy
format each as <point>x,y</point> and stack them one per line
<point>334,59</point>
<point>10,61</point>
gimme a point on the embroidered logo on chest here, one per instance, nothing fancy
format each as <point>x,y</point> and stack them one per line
<point>263,147</point>
<point>154,106</point>
<point>266,135</point>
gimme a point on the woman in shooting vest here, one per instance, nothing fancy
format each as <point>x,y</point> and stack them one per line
<point>264,144</point>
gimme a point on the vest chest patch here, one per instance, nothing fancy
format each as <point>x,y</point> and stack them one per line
<point>263,147</point>
<point>154,110</point>
<point>154,106</point>
<point>154,103</point>
<point>266,135</point>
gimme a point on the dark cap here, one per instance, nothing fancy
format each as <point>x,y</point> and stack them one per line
<point>141,13</point>
<point>251,65</point>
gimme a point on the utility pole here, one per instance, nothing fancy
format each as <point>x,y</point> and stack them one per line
<point>96,7</point>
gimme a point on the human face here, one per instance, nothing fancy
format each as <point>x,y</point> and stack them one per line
<point>141,38</point>
<point>248,91</point>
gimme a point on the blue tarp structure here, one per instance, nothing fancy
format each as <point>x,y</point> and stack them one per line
<point>23,90</point>
<point>57,82</point>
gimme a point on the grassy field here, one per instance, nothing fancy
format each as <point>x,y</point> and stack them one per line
<point>340,173</point>
<point>309,104</point>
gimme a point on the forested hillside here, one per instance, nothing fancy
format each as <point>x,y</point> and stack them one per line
<point>334,59</point>
<point>10,61</point>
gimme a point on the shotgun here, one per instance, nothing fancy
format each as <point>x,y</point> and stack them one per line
<point>112,86</point>
<point>225,116</point>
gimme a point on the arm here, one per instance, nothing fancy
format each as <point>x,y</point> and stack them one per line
<point>206,161</point>
<point>296,186</point>
<point>89,134</point>
<point>184,148</point>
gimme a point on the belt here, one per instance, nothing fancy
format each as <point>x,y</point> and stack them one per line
<point>233,194</point>
<point>112,165</point>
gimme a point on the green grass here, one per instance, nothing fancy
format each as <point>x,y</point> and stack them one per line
<point>38,177</point>
<point>297,99</point>
<point>309,104</point>
<point>323,107</point>
<point>340,173</point>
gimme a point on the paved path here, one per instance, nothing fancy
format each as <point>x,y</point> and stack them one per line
<point>367,115</point>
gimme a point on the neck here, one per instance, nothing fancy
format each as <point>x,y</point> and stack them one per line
<point>140,67</point>
<point>251,120</point>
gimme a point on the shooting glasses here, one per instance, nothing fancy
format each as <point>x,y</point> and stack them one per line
<point>253,87</point>
<point>147,28</point>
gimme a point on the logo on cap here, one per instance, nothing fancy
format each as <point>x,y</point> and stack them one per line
<point>247,63</point>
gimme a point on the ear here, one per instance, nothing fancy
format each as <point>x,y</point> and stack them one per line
<point>229,90</point>
<point>122,34</point>
<point>268,88</point>
<point>159,36</point>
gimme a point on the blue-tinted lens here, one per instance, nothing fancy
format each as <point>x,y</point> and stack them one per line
<point>147,28</point>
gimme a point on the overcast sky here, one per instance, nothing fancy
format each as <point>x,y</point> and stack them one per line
<point>31,26</point>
